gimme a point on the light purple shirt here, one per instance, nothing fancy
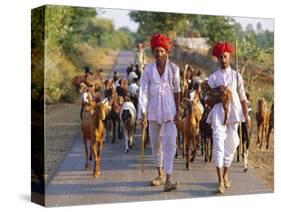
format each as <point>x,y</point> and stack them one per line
<point>156,97</point>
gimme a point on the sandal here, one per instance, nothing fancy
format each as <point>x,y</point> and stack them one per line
<point>158,181</point>
<point>227,183</point>
<point>170,186</point>
<point>221,188</point>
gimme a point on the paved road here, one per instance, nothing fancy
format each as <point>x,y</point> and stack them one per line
<point>121,178</point>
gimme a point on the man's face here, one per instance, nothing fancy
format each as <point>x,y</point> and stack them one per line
<point>160,54</point>
<point>224,60</point>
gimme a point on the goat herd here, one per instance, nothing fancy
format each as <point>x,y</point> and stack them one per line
<point>113,103</point>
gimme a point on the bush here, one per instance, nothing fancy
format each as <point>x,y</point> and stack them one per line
<point>70,95</point>
<point>60,69</point>
<point>59,72</point>
<point>85,54</point>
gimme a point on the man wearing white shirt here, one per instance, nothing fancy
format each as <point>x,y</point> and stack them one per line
<point>159,104</point>
<point>225,136</point>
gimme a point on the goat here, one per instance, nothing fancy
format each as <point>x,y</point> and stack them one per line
<point>270,125</point>
<point>262,120</point>
<point>206,135</point>
<point>191,128</point>
<point>128,120</point>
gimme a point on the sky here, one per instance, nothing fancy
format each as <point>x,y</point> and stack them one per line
<point>121,18</point>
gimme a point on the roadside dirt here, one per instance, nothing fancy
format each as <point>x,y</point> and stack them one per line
<point>262,161</point>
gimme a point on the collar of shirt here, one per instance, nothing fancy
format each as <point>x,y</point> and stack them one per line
<point>157,76</point>
<point>228,69</point>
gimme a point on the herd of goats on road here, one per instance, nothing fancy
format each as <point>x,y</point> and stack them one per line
<point>111,103</point>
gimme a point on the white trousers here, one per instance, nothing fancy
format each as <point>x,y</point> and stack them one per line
<point>163,144</point>
<point>226,140</point>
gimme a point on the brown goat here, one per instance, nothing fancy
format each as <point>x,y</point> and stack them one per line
<point>262,120</point>
<point>270,125</point>
<point>86,132</point>
<point>216,95</point>
<point>98,135</point>
<point>191,129</point>
<point>92,129</point>
<point>180,129</point>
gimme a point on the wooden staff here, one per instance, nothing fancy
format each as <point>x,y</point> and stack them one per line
<point>142,147</point>
<point>240,149</point>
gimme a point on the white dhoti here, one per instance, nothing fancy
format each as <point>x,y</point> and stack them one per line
<point>163,140</point>
<point>226,141</point>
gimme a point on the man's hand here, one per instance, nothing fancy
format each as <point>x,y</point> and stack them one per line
<point>245,112</point>
<point>143,121</point>
<point>248,122</point>
<point>177,103</point>
<point>177,117</point>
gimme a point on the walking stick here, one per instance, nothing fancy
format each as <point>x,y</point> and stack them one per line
<point>240,149</point>
<point>142,147</point>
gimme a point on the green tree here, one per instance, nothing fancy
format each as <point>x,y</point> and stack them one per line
<point>100,27</point>
<point>250,28</point>
<point>265,39</point>
<point>159,22</point>
<point>128,38</point>
<point>37,56</point>
<point>220,28</point>
<point>64,24</point>
<point>259,27</point>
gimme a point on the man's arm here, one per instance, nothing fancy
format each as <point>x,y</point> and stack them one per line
<point>177,100</point>
<point>176,90</point>
<point>177,103</point>
<point>245,112</point>
<point>243,99</point>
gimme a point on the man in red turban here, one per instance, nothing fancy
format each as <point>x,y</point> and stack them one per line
<point>220,48</point>
<point>159,104</point>
<point>225,136</point>
<point>160,40</point>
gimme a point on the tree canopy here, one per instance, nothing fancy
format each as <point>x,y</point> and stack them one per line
<point>215,28</point>
<point>64,39</point>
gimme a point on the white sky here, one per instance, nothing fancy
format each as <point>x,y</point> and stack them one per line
<point>121,18</point>
<point>266,22</point>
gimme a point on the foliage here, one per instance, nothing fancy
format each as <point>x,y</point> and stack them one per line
<point>215,28</point>
<point>255,46</point>
<point>156,22</point>
<point>85,54</point>
<point>62,22</point>
<point>59,72</point>
<point>64,39</point>
<point>127,38</point>
<point>37,57</point>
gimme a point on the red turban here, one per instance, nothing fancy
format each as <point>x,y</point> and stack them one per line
<point>220,48</point>
<point>160,40</point>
